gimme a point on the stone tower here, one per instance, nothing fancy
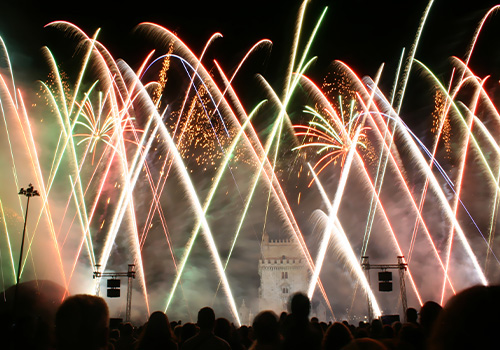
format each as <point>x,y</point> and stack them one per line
<point>283,271</point>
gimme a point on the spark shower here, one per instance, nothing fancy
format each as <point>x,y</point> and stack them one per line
<point>164,166</point>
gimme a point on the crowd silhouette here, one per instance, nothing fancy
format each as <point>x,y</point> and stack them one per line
<point>469,320</point>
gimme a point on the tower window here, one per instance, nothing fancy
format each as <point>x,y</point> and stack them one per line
<point>285,290</point>
<point>284,275</point>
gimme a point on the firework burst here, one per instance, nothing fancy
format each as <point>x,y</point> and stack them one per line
<point>330,135</point>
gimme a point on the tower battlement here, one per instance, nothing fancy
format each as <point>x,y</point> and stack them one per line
<point>283,272</point>
<point>286,240</point>
<point>280,261</point>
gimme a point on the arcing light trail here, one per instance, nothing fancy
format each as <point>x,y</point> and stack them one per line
<point>203,73</point>
<point>440,195</point>
<point>471,120</point>
<point>333,211</point>
<point>277,127</point>
<point>398,95</point>
<point>345,248</point>
<point>438,191</point>
<point>22,120</point>
<point>482,157</point>
<point>117,137</point>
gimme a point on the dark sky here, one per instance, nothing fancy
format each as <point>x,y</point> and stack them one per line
<point>363,33</point>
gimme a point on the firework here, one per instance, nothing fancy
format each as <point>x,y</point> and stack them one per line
<point>129,172</point>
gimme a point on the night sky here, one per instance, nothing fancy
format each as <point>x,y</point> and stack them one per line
<point>362,33</point>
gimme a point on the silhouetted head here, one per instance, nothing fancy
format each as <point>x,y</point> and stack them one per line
<point>429,313</point>
<point>397,327</point>
<point>222,328</point>
<point>469,320</point>
<point>188,330</point>
<point>336,337</point>
<point>265,327</point>
<point>387,332</point>
<point>244,336</point>
<point>300,305</point>
<point>114,335</point>
<point>283,316</point>
<point>157,331</point>
<point>82,322</point>
<point>158,324</point>
<point>206,318</point>
<point>126,329</point>
<point>376,329</point>
<point>177,331</point>
<point>411,336</point>
<point>411,315</point>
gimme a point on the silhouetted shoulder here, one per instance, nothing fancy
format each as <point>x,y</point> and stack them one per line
<point>470,320</point>
<point>205,341</point>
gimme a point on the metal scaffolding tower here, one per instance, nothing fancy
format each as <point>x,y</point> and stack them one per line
<point>401,266</point>
<point>130,274</point>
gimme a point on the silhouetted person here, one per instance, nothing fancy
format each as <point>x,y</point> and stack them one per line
<point>177,330</point>
<point>127,340</point>
<point>365,344</point>
<point>29,325</point>
<point>206,339</point>
<point>376,329</point>
<point>469,320</point>
<point>266,332</point>
<point>282,320</point>
<point>362,331</point>
<point>387,332</point>
<point>317,326</point>
<point>225,330</point>
<point>397,327</point>
<point>411,315</point>
<point>336,337</point>
<point>324,326</point>
<point>299,334</point>
<point>222,329</point>
<point>114,335</point>
<point>82,322</point>
<point>429,313</point>
<point>388,338</point>
<point>244,336</point>
<point>157,333</point>
<point>410,337</point>
<point>188,330</point>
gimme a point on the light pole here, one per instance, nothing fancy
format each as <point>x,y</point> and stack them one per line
<point>28,192</point>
